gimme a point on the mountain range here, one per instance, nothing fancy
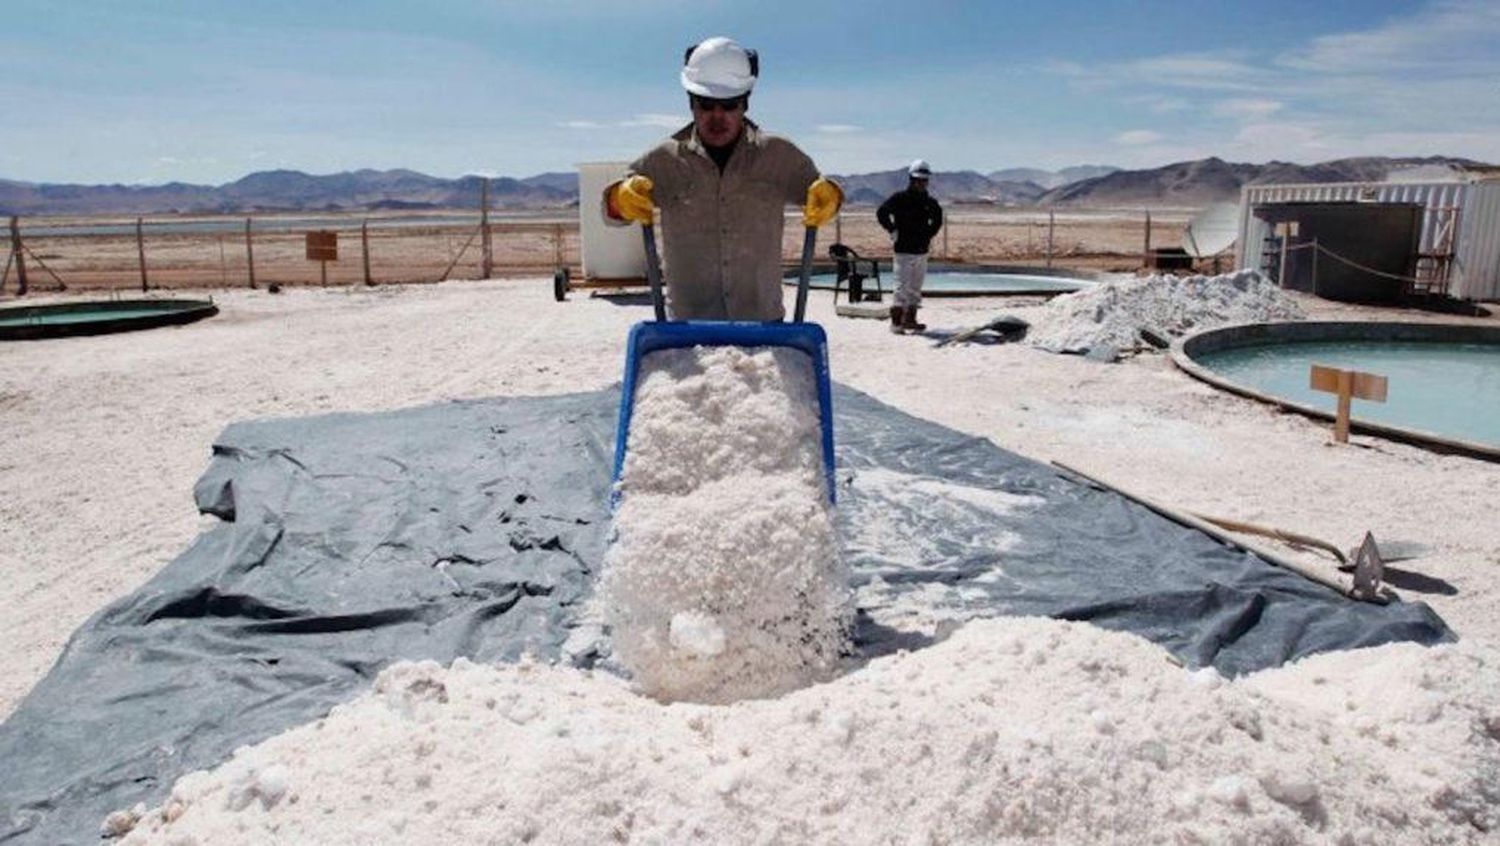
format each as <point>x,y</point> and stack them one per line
<point>1183,184</point>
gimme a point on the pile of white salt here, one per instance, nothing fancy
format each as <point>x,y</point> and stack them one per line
<point>1012,730</point>
<point>723,579</point>
<point>1113,313</point>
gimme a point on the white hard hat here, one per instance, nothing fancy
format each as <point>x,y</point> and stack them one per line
<point>720,68</point>
<point>919,169</point>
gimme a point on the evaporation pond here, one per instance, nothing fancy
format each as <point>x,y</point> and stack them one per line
<point>53,317</point>
<point>967,282</point>
<point>1447,389</point>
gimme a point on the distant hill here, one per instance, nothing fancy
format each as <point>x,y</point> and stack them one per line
<point>963,186</point>
<point>1049,178</point>
<point>1194,183</point>
<point>1213,180</point>
<point>290,190</point>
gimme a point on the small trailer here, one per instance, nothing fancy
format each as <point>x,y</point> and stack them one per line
<point>612,256</point>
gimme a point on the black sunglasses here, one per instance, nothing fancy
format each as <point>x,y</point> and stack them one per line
<point>708,104</point>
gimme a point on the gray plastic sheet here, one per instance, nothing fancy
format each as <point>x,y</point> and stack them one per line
<point>475,529</point>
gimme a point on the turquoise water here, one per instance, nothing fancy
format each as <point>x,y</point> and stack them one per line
<point>59,317</point>
<point>1445,389</point>
<point>945,280</point>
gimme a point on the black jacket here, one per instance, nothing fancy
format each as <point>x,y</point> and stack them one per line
<point>914,216</point>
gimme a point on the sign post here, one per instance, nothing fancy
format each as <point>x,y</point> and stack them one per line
<point>1346,384</point>
<point>323,247</point>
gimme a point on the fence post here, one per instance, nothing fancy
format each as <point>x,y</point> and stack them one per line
<point>140,250</point>
<point>364,242</point>
<point>18,250</point>
<point>1146,252</point>
<point>249,253</point>
<point>557,244</point>
<point>486,262</point>
<point>946,254</point>
<point>838,227</point>
<point>1051,222</point>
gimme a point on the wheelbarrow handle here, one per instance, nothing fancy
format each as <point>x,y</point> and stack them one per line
<point>653,272</point>
<point>809,241</point>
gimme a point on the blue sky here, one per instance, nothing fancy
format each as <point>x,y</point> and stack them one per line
<point>149,92</point>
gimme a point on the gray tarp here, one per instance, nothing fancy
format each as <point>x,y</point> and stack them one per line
<point>474,529</point>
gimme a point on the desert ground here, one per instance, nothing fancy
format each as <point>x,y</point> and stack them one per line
<point>105,436</point>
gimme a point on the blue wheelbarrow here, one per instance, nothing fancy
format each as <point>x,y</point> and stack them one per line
<point>649,336</point>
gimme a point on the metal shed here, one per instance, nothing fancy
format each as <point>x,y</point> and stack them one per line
<point>1458,249</point>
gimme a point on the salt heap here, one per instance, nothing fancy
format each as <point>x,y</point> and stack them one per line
<point>1112,314</point>
<point>1012,730</point>
<point>723,580</point>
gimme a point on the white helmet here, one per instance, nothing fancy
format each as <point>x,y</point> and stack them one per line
<point>919,169</point>
<point>720,68</point>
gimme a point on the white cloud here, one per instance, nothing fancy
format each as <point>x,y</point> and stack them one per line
<point>1456,34</point>
<point>581,124</point>
<point>837,128</point>
<point>662,121</point>
<point>1247,108</point>
<point>1167,105</point>
<point>1228,71</point>
<point>1135,137</point>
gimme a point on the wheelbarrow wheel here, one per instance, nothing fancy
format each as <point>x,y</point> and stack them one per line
<point>560,284</point>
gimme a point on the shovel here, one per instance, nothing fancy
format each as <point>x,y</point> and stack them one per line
<point>649,336</point>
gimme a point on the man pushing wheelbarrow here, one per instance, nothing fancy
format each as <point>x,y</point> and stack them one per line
<point>722,185</point>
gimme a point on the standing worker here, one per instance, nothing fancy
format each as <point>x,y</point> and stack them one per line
<point>913,217</point>
<point>722,185</point>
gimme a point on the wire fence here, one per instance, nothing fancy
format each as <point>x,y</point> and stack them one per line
<point>164,252</point>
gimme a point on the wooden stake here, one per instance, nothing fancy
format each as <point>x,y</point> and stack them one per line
<point>487,261</point>
<point>249,254</point>
<point>140,249</point>
<point>18,251</point>
<point>838,228</point>
<point>364,242</point>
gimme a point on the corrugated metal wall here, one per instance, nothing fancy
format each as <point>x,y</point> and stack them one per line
<point>1478,261</point>
<point>1476,266</point>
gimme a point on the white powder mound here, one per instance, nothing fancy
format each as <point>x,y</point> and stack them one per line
<point>1113,313</point>
<point>723,580</point>
<point>1013,730</point>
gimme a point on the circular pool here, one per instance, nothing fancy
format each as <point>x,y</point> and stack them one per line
<point>59,320</point>
<point>1444,380</point>
<point>945,280</point>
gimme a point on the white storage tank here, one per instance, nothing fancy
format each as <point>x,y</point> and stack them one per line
<point>610,253</point>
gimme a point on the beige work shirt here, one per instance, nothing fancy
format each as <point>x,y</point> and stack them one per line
<point>721,233</point>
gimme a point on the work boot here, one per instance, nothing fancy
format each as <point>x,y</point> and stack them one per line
<point>909,320</point>
<point>898,318</point>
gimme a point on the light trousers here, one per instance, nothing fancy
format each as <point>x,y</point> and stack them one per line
<point>911,272</point>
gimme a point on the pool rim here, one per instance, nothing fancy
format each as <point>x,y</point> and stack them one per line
<point>171,311</point>
<point>1089,276</point>
<point>1254,334</point>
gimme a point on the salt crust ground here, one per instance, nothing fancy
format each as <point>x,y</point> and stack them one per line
<point>105,436</point>
<point>1011,730</point>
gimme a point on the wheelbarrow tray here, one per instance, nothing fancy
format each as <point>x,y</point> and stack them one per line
<point>648,337</point>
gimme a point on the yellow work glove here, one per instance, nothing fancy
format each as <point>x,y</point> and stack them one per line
<point>630,199</point>
<point>824,197</point>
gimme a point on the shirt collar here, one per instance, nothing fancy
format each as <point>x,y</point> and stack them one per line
<point>688,138</point>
